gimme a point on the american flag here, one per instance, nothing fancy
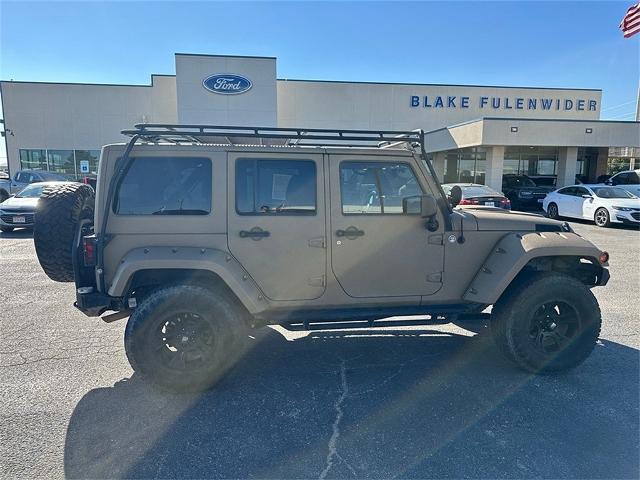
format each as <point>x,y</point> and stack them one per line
<point>630,24</point>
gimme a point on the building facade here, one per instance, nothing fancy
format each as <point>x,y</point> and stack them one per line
<point>475,133</point>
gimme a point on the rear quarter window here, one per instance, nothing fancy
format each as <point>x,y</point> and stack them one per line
<point>165,186</point>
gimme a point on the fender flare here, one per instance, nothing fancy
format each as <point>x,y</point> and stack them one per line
<point>221,263</point>
<point>510,255</point>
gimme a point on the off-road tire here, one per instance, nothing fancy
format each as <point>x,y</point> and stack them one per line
<point>149,347</point>
<point>517,310</point>
<point>60,210</point>
<point>552,211</point>
<point>602,218</point>
<point>6,229</point>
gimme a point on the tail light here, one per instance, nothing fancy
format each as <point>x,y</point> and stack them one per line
<point>506,203</point>
<point>469,201</point>
<point>89,250</point>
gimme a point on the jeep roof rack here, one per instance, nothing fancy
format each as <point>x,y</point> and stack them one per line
<point>274,136</point>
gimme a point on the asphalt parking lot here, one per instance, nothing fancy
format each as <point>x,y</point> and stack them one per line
<point>414,402</point>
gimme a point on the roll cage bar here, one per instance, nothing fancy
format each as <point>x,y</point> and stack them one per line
<point>256,136</point>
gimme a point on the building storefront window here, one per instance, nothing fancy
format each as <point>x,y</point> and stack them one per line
<point>62,161</point>
<point>91,156</point>
<point>67,162</point>
<point>533,161</point>
<point>33,159</point>
<point>467,165</point>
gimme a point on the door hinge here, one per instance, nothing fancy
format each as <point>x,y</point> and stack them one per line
<point>317,242</point>
<point>434,277</point>
<point>317,281</point>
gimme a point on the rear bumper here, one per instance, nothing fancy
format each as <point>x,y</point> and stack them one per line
<point>94,304</point>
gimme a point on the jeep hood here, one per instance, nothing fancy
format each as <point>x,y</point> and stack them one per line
<point>489,218</point>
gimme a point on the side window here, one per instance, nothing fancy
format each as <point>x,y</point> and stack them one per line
<point>581,191</point>
<point>376,187</point>
<point>21,177</point>
<point>165,186</point>
<point>634,179</point>
<point>275,187</point>
<point>566,191</point>
<point>620,179</point>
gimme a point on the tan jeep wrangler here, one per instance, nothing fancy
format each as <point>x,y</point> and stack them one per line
<point>200,233</point>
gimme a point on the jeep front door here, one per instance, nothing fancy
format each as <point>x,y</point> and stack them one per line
<point>277,222</point>
<point>377,250</point>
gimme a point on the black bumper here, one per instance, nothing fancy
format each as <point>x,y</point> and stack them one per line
<point>603,278</point>
<point>94,304</point>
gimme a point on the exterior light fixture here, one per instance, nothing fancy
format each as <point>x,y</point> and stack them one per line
<point>588,130</point>
<point>514,129</point>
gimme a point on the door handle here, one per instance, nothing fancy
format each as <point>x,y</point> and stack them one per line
<point>350,233</point>
<point>255,233</point>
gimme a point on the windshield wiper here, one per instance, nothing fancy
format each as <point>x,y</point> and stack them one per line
<point>180,211</point>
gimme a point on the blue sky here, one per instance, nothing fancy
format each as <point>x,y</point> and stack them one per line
<point>559,44</point>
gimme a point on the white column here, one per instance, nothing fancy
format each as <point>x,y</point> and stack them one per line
<point>495,164</point>
<point>567,163</point>
<point>438,164</point>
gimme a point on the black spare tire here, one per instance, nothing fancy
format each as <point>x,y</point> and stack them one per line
<point>60,211</point>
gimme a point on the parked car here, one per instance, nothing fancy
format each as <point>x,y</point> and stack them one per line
<point>602,204</point>
<point>19,210</point>
<point>307,238</point>
<point>26,177</point>
<point>628,179</point>
<point>522,192</point>
<point>476,194</point>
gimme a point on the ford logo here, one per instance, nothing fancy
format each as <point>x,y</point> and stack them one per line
<point>227,83</point>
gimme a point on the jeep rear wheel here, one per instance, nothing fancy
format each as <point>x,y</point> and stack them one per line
<point>61,209</point>
<point>184,338</point>
<point>548,323</point>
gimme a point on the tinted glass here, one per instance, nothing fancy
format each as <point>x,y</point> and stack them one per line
<point>566,191</point>
<point>63,162</point>
<point>582,191</point>
<point>165,186</point>
<point>471,191</point>
<point>611,192</point>
<point>370,188</point>
<point>33,159</point>
<point>280,187</point>
<point>634,179</point>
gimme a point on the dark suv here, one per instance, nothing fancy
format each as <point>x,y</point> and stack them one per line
<point>523,192</point>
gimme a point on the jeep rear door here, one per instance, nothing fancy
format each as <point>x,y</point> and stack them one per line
<point>277,222</point>
<point>377,250</point>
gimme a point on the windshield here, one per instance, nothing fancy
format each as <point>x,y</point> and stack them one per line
<point>612,192</point>
<point>477,191</point>
<point>32,191</point>
<point>521,182</point>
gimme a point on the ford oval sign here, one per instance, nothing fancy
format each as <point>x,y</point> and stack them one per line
<point>227,84</point>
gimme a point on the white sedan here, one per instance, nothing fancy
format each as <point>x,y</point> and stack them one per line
<point>602,204</point>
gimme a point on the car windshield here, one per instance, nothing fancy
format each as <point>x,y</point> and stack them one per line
<point>521,182</point>
<point>612,192</point>
<point>477,191</point>
<point>32,191</point>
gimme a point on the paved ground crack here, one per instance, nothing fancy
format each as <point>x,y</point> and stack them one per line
<point>333,441</point>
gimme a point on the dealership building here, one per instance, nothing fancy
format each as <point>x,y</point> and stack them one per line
<point>475,133</point>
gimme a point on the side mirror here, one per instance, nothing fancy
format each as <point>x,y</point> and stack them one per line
<point>455,195</point>
<point>423,205</point>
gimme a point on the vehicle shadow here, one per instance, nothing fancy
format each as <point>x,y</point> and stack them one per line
<point>375,403</point>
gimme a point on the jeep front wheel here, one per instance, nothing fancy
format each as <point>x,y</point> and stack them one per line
<point>548,323</point>
<point>184,337</point>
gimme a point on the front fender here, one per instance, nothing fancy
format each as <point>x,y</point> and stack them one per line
<point>216,261</point>
<point>514,251</point>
